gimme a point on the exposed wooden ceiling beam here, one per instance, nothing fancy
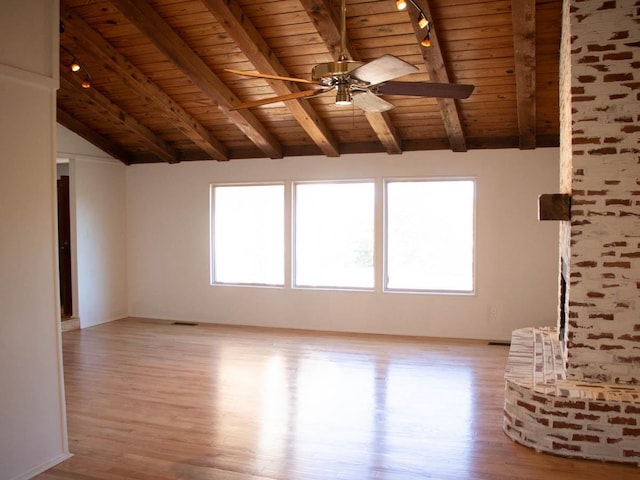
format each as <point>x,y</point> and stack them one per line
<point>79,128</point>
<point>153,26</point>
<point>103,106</point>
<point>434,61</point>
<point>523,13</point>
<point>324,18</point>
<point>245,35</point>
<point>385,131</point>
<point>84,37</point>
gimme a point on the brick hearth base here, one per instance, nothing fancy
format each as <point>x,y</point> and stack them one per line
<point>545,411</point>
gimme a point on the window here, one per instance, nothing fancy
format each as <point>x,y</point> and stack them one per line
<point>248,234</point>
<point>334,231</point>
<point>430,235</point>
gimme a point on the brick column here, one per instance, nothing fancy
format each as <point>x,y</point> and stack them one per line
<point>600,167</point>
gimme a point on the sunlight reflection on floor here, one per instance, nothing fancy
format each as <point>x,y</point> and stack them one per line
<point>352,411</point>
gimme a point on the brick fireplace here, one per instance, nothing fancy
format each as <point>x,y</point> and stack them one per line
<point>576,391</point>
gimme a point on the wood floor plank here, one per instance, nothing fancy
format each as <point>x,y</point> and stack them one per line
<point>152,400</point>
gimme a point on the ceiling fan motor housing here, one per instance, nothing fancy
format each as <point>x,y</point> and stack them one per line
<point>333,69</point>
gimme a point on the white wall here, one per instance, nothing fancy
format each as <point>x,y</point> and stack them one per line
<point>72,145</point>
<point>32,414</point>
<point>29,43</point>
<point>516,258</point>
<point>100,205</point>
<point>98,217</point>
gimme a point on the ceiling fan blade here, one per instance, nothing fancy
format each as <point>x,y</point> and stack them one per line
<point>279,98</point>
<point>382,69</point>
<point>266,75</point>
<point>427,89</point>
<point>370,102</point>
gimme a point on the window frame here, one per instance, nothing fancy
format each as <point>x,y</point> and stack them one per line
<point>294,228</point>
<point>385,235</point>
<point>212,254</point>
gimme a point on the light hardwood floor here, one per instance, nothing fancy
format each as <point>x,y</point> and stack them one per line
<point>152,400</point>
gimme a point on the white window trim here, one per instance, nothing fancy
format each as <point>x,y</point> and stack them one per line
<point>292,256</point>
<point>212,257</point>
<point>385,182</point>
<point>380,240</point>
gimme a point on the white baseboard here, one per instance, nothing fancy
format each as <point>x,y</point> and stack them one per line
<point>43,467</point>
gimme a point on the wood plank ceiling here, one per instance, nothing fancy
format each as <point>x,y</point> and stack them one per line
<point>160,93</point>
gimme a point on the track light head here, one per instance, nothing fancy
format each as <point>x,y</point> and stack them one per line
<point>422,21</point>
<point>75,66</point>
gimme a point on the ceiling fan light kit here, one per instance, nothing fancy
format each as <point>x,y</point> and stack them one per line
<point>361,83</point>
<point>343,95</point>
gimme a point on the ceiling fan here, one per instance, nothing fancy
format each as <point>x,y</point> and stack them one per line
<point>360,83</point>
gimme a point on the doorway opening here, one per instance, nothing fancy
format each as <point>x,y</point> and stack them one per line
<point>68,305</point>
<point>64,247</point>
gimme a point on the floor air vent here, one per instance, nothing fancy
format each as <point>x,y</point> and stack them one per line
<point>188,324</point>
<point>500,344</point>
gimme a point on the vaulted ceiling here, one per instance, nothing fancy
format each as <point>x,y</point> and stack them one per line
<point>160,90</point>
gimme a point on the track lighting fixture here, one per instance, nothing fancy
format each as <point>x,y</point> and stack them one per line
<point>76,66</point>
<point>423,23</point>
